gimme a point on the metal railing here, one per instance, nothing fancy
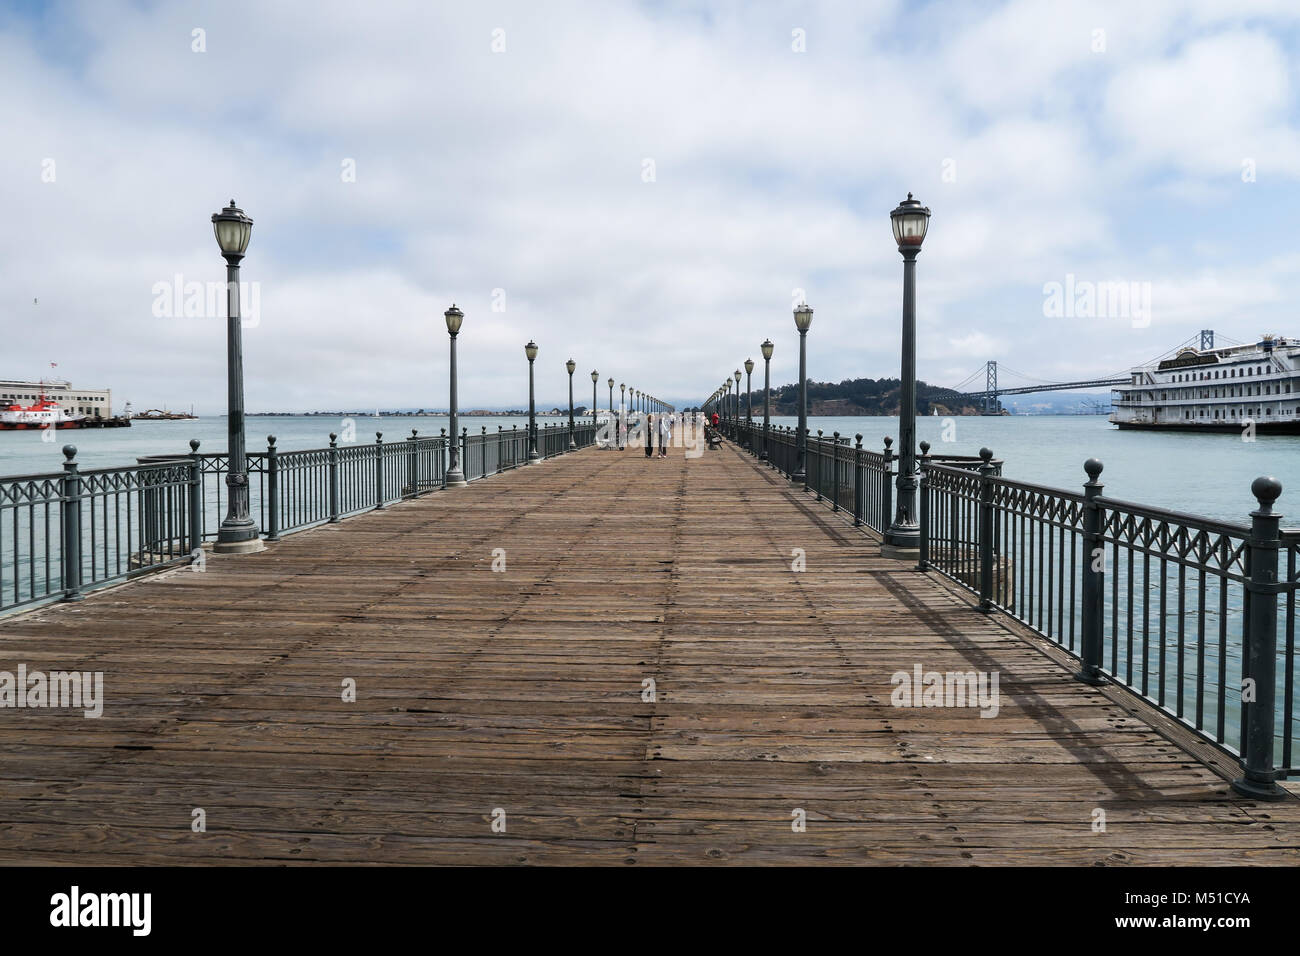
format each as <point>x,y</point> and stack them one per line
<point>1178,609</point>
<point>849,478</point>
<point>63,533</point>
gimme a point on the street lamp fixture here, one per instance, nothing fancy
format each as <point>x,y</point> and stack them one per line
<point>766,348</point>
<point>531,351</point>
<point>910,222</point>
<point>571,365</point>
<point>238,533</point>
<point>749,402</point>
<point>455,475</point>
<point>802,321</point>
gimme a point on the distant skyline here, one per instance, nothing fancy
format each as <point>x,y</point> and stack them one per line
<point>647,188</point>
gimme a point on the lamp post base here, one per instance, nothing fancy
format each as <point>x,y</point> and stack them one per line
<point>798,478</point>
<point>245,546</point>
<point>455,479</point>
<point>1259,789</point>
<point>902,541</point>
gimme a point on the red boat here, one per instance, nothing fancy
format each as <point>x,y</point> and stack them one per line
<point>39,415</point>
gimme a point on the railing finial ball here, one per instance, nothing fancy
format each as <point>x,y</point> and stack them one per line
<point>888,441</point>
<point>194,444</point>
<point>986,454</point>
<point>925,448</point>
<point>1093,467</point>
<point>333,437</point>
<point>1266,490</point>
<point>270,439</point>
<point>69,452</point>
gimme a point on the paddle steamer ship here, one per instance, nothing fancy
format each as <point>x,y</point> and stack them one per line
<point>1216,389</point>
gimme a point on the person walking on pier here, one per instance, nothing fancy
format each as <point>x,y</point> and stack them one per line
<point>649,436</point>
<point>665,434</point>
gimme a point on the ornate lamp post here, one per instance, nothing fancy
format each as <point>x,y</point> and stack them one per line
<point>910,221</point>
<point>594,376</point>
<point>238,532</point>
<point>802,320</point>
<point>612,422</point>
<point>455,476</point>
<point>533,458</point>
<point>749,402</point>
<point>726,400</point>
<point>622,406</point>
<point>571,365</point>
<point>736,407</point>
<point>767,392</point>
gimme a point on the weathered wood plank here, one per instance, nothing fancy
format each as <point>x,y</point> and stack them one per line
<point>522,691</point>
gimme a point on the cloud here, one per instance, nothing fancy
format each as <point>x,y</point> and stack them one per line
<point>523,171</point>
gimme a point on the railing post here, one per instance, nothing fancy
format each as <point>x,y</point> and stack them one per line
<point>272,490</point>
<point>1093,612</point>
<point>817,481</point>
<point>858,484</point>
<point>986,531</point>
<point>412,466</point>
<point>923,513</point>
<point>500,444</point>
<point>514,446</point>
<point>195,498</point>
<point>1259,669</point>
<point>887,493</point>
<point>443,452</point>
<point>835,472</point>
<point>334,478</point>
<point>464,447</point>
<point>379,471</point>
<point>70,503</point>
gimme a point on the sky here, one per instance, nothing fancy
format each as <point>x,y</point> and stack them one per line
<point>648,188</point>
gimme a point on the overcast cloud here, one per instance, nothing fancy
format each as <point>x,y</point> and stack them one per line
<point>1169,156</point>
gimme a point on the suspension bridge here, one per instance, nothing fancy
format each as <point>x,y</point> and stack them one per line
<point>989,398</point>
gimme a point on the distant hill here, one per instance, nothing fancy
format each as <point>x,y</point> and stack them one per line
<point>862,396</point>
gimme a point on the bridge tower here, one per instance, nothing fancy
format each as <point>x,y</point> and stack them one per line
<point>1207,339</point>
<point>992,406</point>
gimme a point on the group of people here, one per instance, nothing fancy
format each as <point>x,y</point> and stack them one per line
<point>654,429</point>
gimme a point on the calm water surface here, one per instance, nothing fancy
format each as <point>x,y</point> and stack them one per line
<point>1205,474</point>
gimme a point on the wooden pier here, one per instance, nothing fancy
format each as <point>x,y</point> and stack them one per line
<point>519,696</point>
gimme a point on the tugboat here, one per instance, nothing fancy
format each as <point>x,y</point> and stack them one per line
<point>42,413</point>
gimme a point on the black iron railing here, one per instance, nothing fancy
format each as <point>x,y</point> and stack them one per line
<point>848,478</point>
<point>61,534</point>
<point>1195,615</point>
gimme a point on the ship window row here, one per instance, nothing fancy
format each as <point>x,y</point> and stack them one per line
<point>77,398</point>
<point>1232,392</point>
<point>1220,373</point>
<point>1219,414</point>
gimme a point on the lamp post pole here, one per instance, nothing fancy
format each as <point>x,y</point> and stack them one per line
<point>594,377</point>
<point>622,413</point>
<point>802,321</point>
<point>571,365</point>
<point>533,458</point>
<point>238,533</point>
<point>749,403</point>
<point>455,475</point>
<point>612,422</point>
<point>767,348</point>
<point>910,221</point>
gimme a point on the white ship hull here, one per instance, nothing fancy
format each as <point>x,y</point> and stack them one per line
<point>1226,389</point>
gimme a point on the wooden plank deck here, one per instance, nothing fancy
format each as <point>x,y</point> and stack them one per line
<point>522,691</point>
